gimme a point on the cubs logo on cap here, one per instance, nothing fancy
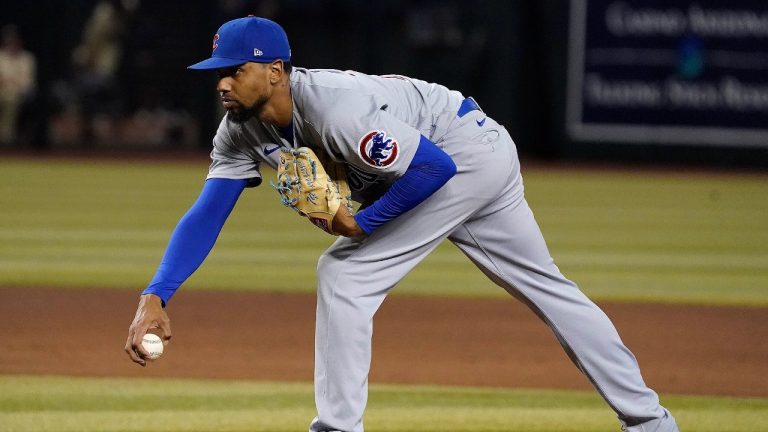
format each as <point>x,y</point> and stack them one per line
<point>249,39</point>
<point>377,149</point>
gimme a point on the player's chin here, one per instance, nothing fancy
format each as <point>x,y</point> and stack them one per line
<point>239,115</point>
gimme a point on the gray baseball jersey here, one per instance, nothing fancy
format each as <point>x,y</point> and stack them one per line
<point>374,124</point>
<point>335,111</point>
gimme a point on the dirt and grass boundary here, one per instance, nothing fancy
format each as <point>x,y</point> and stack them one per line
<point>682,349</point>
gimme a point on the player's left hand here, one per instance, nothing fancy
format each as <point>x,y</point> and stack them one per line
<point>345,224</point>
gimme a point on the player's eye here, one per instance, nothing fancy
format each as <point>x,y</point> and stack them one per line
<point>230,71</point>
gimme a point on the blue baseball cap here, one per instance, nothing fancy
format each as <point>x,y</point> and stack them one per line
<point>249,39</point>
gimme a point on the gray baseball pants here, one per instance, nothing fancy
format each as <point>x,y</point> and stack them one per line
<point>481,210</point>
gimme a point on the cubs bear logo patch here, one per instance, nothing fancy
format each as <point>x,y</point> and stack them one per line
<point>377,149</point>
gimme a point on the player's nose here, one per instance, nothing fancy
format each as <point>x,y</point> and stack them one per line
<point>223,86</point>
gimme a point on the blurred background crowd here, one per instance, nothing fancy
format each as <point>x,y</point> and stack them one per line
<point>110,74</point>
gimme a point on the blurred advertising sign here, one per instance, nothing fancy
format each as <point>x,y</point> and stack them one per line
<point>669,71</point>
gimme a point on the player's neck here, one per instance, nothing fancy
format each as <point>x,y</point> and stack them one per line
<point>279,110</point>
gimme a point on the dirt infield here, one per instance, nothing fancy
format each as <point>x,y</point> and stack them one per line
<point>681,349</point>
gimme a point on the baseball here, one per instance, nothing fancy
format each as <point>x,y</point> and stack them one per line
<point>153,344</point>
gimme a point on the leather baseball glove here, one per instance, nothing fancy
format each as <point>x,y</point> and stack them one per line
<point>313,188</point>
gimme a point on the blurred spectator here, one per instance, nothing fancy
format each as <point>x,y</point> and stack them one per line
<point>17,82</point>
<point>100,49</point>
<point>96,64</point>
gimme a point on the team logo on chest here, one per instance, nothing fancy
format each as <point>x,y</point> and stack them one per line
<point>378,150</point>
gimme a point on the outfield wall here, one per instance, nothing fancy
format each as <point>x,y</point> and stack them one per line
<point>647,81</point>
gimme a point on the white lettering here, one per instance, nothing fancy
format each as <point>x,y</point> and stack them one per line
<point>622,20</point>
<point>685,94</point>
<point>744,97</point>
<point>728,22</point>
<point>621,93</point>
<point>730,94</point>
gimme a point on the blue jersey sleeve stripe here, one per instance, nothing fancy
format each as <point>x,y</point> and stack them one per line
<point>195,235</point>
<point>428,171</point>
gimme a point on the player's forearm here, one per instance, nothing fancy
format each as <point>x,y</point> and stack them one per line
<point>195,236</point>
<point>429,170</point>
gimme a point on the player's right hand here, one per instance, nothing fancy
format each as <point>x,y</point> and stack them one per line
<point>345,224</point>
<point>150,317</point>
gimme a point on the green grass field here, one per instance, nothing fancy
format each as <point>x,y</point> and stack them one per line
<point>622,236</point>
<point>108,405</point>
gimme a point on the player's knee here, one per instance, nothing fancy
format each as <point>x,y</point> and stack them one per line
<point>333,275</point>
<point>325,264</point>
<point>328,268</point>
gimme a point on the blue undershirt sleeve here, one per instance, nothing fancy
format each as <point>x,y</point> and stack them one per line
<point>195,235</point>
<point>428,171</point>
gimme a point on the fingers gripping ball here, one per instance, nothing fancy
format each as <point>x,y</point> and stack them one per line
<point>153,344</point>
<point>312,187</point>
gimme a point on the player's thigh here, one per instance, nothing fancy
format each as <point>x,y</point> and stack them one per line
<point>377,262</point>
<point>380,260</point>
<point>507,245</point>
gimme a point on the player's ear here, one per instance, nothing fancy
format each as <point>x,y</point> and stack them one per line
<point>276,71</point>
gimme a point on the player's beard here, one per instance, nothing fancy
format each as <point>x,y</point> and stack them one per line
<point>242,113</point>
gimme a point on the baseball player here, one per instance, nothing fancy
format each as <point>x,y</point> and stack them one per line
<point>426,164</point>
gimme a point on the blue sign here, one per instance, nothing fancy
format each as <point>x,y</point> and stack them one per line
<point>669,71</point>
